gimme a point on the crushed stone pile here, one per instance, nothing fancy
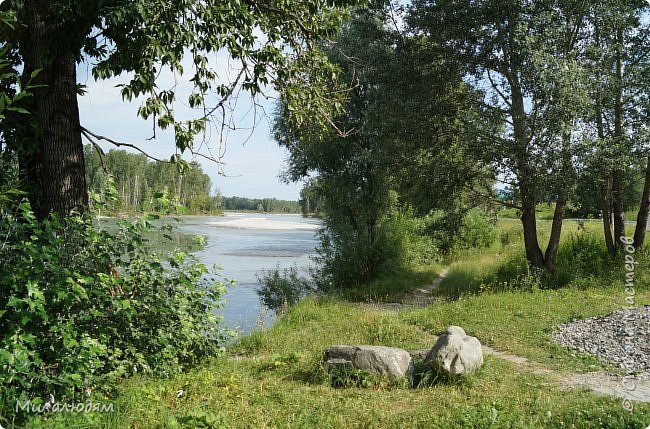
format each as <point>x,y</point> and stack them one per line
<point>621,338</point>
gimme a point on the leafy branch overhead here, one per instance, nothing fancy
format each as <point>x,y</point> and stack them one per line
<point>271,43</point>
<point>213,50</point>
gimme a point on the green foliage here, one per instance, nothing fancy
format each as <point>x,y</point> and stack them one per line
<point>405,148</point>
<point>354,377</point>
<point>586,199</point>
<point>272,44</point>
<point>311,199</point>
<point>279,360</point>
<point>282,289</point>
<point>409,237</point>
<point>203,420</point>
<point>392,287</point>
<point>478,230</point>
<point>82,308</point>
<point>582,263</point>
<point>299,393</point>
<point>348,257</point>
<point>583,254</point>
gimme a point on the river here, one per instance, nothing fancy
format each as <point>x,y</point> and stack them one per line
<point>244,244</point>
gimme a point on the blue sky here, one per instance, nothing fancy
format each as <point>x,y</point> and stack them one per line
<point>252,162</point>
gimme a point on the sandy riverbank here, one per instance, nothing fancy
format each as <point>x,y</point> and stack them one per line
<point>263,223</point>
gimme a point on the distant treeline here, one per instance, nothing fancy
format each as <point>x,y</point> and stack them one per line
<point>136,179</point>
<point>267,205</point>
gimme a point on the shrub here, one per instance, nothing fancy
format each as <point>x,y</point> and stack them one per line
<point>349,256</point>
<point>282,288</point>
<point>82,307</point>
<point>584,254</point>
<point>478,230</point>
<point>408,236</point>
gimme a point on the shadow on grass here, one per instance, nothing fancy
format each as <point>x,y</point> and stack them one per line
<point>392,287</point>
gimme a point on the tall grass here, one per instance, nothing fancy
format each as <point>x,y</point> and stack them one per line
<point>582,262</point>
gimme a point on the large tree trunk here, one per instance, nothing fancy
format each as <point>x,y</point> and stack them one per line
<point>644,208</point>
<point>566,177</point>
<point>619,135</point>
<point>529,222</point>
<point>54,165</point>
<point>526,179</point>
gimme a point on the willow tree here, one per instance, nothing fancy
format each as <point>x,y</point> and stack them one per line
<point>406,145</point>
<point>271,41</point>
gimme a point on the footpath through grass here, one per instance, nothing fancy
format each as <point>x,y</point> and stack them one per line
<point>276,379</point>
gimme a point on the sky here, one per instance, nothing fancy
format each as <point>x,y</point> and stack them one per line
<point>252,162</point>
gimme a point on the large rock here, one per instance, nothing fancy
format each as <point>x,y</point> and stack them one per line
<point>374,359</point>
<point>455,353</point>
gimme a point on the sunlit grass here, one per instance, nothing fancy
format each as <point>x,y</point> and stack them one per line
<point>275,378</point>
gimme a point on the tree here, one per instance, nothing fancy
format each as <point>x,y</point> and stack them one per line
<point>136,178</point>
<point>526,53</point>
<point>145,38</point>
<point>619,49</point>
<point>353,183</point>
<point>405,148</point>
<point>310,198</point>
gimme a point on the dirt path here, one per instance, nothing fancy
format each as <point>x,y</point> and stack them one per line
<point>630,389</point>
<point>597,382</point>
<point>420,297</point>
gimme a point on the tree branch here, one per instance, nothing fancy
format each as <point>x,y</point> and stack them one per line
<point>92,138</point>
<point>492,199</point>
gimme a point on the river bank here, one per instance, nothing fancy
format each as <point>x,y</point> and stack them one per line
<point>275,377</point>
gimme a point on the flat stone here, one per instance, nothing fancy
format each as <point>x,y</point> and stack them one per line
<point>373,359</point>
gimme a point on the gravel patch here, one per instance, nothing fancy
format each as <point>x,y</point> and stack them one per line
<point>621,338</point>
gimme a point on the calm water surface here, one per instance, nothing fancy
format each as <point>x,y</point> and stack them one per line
<point>245,244</point>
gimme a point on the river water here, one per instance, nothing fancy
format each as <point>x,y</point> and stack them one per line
<point>245,244</point>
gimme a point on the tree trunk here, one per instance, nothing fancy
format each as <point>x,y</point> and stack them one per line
<point>619,135</point>
<point>525,176</point>
<point>54,165</point>
<point>644,208</point>
<point>607,216</point>
<point>529,222</point>
<point>566,178</point>
<point>556,231</point>
<point>617,207</point>
<point>605,200</point>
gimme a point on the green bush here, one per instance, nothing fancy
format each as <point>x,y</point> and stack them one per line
<point>408,236</point>
<point>82,307</point>
<point>282,288</point>
<point>349,255</point>
<point>477,230</point>
<point>584,254</point>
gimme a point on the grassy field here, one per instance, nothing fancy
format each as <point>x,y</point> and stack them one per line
<point>545,211</point>
<point>275,378</point>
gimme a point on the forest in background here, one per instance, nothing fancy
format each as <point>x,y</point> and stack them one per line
<point>136,180</point>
